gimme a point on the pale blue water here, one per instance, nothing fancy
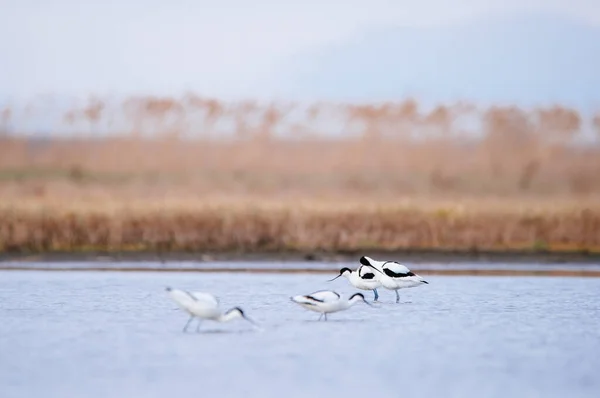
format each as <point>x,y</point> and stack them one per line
<point>111,334</point>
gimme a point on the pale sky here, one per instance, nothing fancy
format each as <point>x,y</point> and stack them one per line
<point>224,48</point>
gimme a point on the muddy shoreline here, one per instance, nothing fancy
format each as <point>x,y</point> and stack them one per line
<point>413,256</point>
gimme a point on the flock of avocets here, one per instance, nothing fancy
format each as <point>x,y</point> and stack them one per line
<point>370,275</point>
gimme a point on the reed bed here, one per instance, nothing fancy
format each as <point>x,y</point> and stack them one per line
<point>253,226</point>
<point>203,175</point>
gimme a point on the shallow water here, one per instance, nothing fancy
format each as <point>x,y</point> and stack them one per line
<point>100,334</point>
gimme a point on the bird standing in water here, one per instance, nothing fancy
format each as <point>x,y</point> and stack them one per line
<point>327,301</point>
<point>363,278</point>
<point>393,275</point>
<point>204,306</point>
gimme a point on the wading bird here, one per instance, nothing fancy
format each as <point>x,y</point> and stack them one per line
<point>327,301</point>
<point>393,275</point>
<point>204,306</point>
<point>363,278</point>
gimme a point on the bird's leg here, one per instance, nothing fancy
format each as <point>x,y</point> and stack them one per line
<point>325,316</point>
<point>397,296</point>
<point>376,295</point>
<point>198,326</point>
<point>320,316</point>
<point>188,323</point>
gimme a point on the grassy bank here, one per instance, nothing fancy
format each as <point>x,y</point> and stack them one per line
<point>251,226</point>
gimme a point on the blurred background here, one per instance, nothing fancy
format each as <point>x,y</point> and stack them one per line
<point>281,126</point>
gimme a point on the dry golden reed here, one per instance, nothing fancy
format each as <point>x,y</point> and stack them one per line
<point>290,226</point>
<point>207,175</point>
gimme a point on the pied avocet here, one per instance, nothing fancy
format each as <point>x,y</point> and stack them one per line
<point>327,301</point>
<point>393,275</point>
<point>363,278</point>
<point>204,306</point>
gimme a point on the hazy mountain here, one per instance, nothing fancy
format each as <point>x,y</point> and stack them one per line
<point>524,59</point>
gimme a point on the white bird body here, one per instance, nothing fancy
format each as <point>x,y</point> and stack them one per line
<point>327,301</point>
<point>363,278</point>
<point>393,275</point>
<point>203,305</point>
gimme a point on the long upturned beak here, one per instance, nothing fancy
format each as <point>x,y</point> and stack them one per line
<point>334,278</point>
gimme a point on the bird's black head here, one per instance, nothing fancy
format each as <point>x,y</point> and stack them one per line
<point>357,295</point>
<point>362,297</point>
<point>342,272</point>
<point>239,310</point>
<point>363,260</point>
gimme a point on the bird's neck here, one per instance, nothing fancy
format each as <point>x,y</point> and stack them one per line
<point>354,277</point>
<point>354,300</point>
<point>229,316</point>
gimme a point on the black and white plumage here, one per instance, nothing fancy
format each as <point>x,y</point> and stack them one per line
<point>203,305</point>
<point>327,301</point>
<point>393,275</point>
<point>363,278</point>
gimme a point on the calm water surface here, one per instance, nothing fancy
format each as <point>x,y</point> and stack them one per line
<point>111,334</point>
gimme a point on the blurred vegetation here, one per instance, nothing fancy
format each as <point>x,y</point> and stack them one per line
<point>202,174</point>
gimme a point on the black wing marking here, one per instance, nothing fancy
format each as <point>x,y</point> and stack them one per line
<point>368,275</point>
<point>392,274</point>
<point>314,299</point>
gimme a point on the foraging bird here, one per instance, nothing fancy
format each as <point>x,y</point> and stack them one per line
<point>363,278</point>
<point>204,306</point>
<point>327,301</point>
<point>393,275</point>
